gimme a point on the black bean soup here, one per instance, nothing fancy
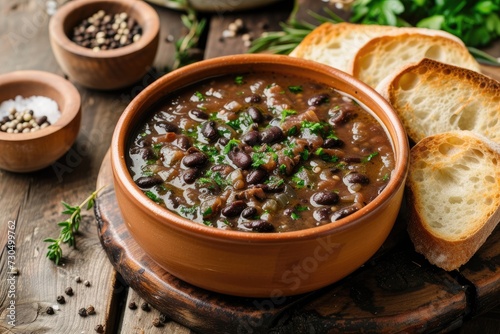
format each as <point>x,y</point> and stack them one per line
<point>261,152</point>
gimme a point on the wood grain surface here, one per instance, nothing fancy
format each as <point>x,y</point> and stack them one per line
<point>32,201</point>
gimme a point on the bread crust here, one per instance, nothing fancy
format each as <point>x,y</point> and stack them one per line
<point>336,44</point>
<point>441,247</point>
<point>449,98</point>
<point>381,56</point>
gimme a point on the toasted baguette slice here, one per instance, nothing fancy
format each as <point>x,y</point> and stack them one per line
<point>384,55</point>
<point>453,194</point>
<point>337,44</point>
<point>431,97</point>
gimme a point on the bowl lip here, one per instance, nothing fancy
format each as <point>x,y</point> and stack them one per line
<point>150,33</point>
<point>122,177</point>
<point>69,110</point>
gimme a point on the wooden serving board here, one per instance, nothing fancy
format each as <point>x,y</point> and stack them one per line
<point>396,291</point>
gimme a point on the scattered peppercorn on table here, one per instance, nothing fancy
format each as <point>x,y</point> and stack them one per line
<point>84,293</point>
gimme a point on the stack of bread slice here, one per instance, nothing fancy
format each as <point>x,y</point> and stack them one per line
<point>451,113</point>
<point>371,52</point>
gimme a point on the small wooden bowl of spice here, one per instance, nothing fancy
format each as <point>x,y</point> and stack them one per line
<point>40,116</point>
<point>105,44</point>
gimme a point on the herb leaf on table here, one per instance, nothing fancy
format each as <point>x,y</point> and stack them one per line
<point>69,227</point>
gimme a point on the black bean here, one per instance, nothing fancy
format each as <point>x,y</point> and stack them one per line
<point>234,209</point>
<point>147,154</point>
<point>356,178</point>
<point>182,142</point>
<point>198,115</point>
<point>325,198</point>
<point>255,114</point>
<point>272,188</point>
<point>223,141</point>
<point>322,214</point>
<point>272,134</point>
<point>240,159</point>
<point>344,212</point>
<point>256,176</point>
<point>254,98</point>
<point>249,212</point>
<point>40,120</point>
<point>317,99</point>
<point>164,126</point>
<point>148,181</point>
<point>251,138</point>
<point>195,159</point>
<point>352,160</point>
<point>259,226</point>
<point>209,130</point>
<point>333,143</point>
<point>190,175</point>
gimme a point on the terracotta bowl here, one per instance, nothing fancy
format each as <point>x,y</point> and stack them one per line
<point>252,264</point>
<point>106,69</point>
<point>27,152</point>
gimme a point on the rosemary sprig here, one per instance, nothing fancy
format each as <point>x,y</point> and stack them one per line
<point>69,227</point>
<point>189,41</point>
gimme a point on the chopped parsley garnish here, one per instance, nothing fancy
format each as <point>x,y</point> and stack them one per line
<point>315,127</point>
<point>320,152</point>
<point>300,183</point>
<point>211,152</point>
<point>294,216</point>
<point>259,159</point>
<point>295,89</point>
<point>152,196</point>
<point>301,208</point>
<point>208,211</point>
<point>369,157</point>
<point>386,177</point>
<point>229,146</point>
<point>304,155</point>
<point>287,112</point>
<point>199,96</point>
<point>241,123</point>
<point>188,210</point>
<point>275,181</point>
<point>282,168</point>
<point>292,131</point>
<point>288,152</point>
<point>151,161</point>
<point>332,135</point>
<point>239,80</point>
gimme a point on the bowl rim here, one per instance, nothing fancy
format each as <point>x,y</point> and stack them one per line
<point>69,110</point>
<point>121,173</point>
<point>149,34</point>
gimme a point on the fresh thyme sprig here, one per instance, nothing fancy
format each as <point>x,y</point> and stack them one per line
<point>69,227</point>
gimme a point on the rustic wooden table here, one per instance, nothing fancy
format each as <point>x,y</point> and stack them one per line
<point>30,203</point>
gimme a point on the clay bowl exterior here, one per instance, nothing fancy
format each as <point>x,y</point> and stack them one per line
<point>106,69</point>
<point>251,264</point>
<point>27,152</point>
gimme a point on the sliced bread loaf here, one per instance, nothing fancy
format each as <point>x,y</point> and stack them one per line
<point>384,55</point>
<point>337,44</point>
<point>453,194</point>
<point>432,97</point>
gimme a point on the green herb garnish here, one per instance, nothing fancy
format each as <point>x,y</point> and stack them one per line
<point>295,89</point>
<point>229,146</point>
<point>199,96</point>
<point>69,227</point>
<point>239,80</point>
<point>287,112</point>
<point>369,157</point>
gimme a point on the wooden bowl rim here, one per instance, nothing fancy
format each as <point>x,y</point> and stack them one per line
<point>149,33</point>
<point>196,71</point>
<point>69,110</point>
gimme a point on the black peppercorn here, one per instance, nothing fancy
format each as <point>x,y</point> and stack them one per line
<point>164,318</point>
<point>145,307</point>
<point>99,328</point>
<point>60,299</point>
<point>132,305</point>
<point>78,279</point>
<point>69,291</point>
<point>49,310</point>
<point>82,312</point>
<point>86,283</point>
<point>90,310</point>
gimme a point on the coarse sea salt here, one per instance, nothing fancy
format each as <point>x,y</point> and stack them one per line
<point>41,106</point>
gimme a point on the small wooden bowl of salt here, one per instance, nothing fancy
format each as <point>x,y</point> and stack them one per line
<point>40,115</point>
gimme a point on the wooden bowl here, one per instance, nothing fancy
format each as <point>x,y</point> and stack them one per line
<point>27,152</point>
<point>106,69</point>
<point>257,264</point>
